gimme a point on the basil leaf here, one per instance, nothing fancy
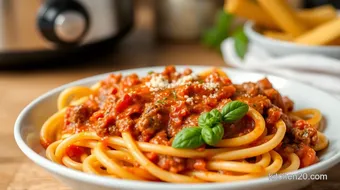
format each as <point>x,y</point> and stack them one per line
<point>234,111</point>
<point>223,22</point>
<point>240,43</point>
<point>208,119</point>
<point>214,36</point>
<point>216,116</point>
<point>213,135</point>
<point>204,120</point>
<point>188,138</point>
<point>211,37</point>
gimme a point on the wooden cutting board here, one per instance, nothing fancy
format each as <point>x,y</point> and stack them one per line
<point>31,177</point>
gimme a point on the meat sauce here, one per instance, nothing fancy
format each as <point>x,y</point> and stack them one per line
<point>156,107</point>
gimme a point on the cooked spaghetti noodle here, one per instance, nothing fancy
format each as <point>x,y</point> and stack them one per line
<point>123,127</point>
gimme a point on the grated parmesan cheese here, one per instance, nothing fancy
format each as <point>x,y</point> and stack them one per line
<point>158,82</point>
<point>184,80</point>
<point>210,85</point>
<point>190,100</point>
<point>213,95</point>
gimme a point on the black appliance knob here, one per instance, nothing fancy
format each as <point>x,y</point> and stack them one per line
<point>63,22</point>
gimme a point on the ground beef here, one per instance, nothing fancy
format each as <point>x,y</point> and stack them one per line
<point>226,92</point>
<point>274,114</point>
<point>199,108</point>
<point>288,121</point>
<point>106,126</point>
<point>303,132</point>
<point>103,121</point>
<point>160,138</point>
<point>171,74</point>
<point>266,100</point>
<point>249,88</point>
<point>264,84</point>
<point>275,97</point>
<point>307,155</point>
<point>130,80</point>
<point>169,70</point>
<point>190,121</point>
<point>288,104</point>
<point>239,128</point>
<point>260,103</point>
<point>187,71</point>
<point>178,113</point>
<point>76,118</point>
<point>150,122</point>
<point>125,124</point>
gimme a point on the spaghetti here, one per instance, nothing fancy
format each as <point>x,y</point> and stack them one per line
<point>126,127</point>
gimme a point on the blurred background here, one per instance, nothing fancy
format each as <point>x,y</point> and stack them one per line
<point>35,32</point>
<point>47,43</point>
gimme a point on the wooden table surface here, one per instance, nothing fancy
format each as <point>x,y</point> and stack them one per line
<point>140,49</point>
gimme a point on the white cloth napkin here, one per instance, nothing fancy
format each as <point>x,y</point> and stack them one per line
<point>320,71</point>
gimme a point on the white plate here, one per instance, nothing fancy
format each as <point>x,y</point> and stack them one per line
<point>282,48</point>
<point>30,120</point>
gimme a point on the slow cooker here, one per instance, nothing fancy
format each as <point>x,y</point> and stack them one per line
<point>31,30</point>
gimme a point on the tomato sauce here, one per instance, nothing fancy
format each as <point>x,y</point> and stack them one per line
<point>156,107</point>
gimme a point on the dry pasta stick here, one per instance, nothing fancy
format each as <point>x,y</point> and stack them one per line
<point>250,10</point>
<point>284,16</point>
<point>278,35</point>
<point>322,34</point>
<point>335,42</point>
<point>317,16</point>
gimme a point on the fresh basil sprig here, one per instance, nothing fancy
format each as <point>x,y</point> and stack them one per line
<point>210,130</point>
<point>234,111</point>
<point>208,119</point>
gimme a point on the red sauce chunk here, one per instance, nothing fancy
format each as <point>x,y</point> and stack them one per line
<point>307,156</point>
<point>75,152</point>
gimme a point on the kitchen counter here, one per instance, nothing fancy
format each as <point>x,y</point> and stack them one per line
<point>139,49</point>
